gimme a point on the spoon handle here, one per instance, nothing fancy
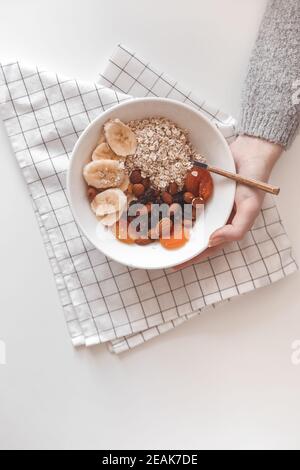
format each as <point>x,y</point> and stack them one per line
<point>268,188</point>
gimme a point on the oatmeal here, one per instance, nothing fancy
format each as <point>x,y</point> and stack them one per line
<point>163,154</point>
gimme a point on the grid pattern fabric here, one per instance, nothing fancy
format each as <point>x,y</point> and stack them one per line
<point>103,301</point>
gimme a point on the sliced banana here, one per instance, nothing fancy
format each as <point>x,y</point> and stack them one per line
<point>120,138</point>
<point>125,183</point>
<point>104,152</point>
<point>110,219</point>
<point>109,202</point>
<point>103,174</point>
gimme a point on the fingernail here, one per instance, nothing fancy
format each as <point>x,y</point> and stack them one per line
<point>216,241</point>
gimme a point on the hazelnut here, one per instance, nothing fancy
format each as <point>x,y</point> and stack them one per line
<point>136,177</point>
<point>146,183</point>
<point>167,198</point>
<point>188,197</point>
<point>138,189</point>
<point>91,193</point>
<point>173,188</point>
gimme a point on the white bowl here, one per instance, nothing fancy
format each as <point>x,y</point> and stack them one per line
<point>206,139</point>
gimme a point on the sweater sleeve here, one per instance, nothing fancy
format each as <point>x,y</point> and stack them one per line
<point>270,102</point>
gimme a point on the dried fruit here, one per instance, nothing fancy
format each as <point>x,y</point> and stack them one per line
<point>167,198</point>
<point>192,180</point>
<point>177,240</point>
<point>138,189</point>
<point>150,195</point>
<point>173,188</point>
<point>91,193</point>
<point>136,177</point>
<point>197,201</point>
<point>188,197</point>
<point>206,184</point>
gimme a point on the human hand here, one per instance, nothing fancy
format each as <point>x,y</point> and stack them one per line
<point>254,158</point>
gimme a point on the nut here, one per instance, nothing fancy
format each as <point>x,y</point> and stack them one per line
<point>165,227</point>
<point>173,188</point>
<point>188,197</point>
<point>138,189</point>
<point>146,183</point>
<point>91,193</point>
<point>167,198</point>
<point>136,177</point>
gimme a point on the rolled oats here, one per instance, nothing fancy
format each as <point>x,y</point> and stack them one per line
<point>164,153</point>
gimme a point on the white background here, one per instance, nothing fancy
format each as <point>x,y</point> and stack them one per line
<point>225,379</point>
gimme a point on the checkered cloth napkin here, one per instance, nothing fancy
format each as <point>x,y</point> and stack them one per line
<point>104,301</point>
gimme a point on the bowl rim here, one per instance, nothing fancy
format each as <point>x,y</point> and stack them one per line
<point>124,104</point>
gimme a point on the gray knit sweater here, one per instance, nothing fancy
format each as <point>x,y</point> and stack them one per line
<point>271,96</point>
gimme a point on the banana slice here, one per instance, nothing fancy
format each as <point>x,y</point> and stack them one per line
<point>103,174</point>
<point>110,219</point>
<point>120,138</point>
<point>125,183</point>
<point>104,152</point>
<point>109,202</point>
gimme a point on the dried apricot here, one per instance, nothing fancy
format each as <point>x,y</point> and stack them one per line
<point>206,184</point>
<point>177,240</point>
<point>192,181</point>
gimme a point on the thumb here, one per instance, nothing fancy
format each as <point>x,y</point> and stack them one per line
<point>246,213</point>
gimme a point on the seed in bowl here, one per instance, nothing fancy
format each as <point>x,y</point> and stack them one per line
<point>142,183</point>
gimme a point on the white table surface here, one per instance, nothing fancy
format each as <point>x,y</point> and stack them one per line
<point>223,380</point>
